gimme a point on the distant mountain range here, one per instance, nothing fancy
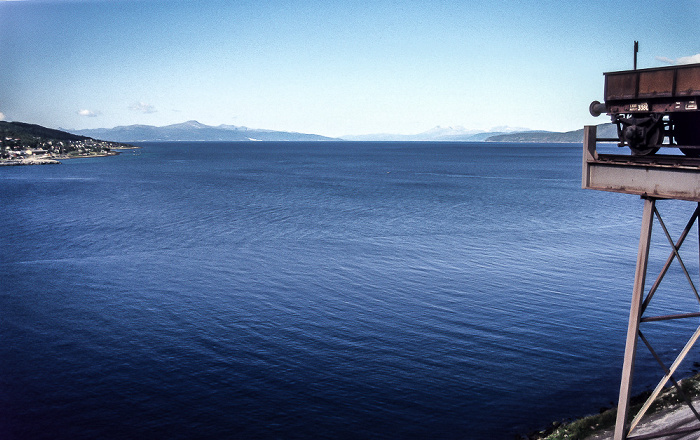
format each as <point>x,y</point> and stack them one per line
<point>498,134</point>
<point>195,131</point>
<point>436,134</point>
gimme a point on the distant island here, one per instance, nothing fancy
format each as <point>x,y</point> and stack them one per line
<point>608,130</point>
<point>30,144</point>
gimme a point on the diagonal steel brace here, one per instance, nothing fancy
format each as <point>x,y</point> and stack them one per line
<point>667,265</point>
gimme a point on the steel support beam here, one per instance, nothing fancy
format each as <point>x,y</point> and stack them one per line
<point>637,310</point>
<point>633,323</point>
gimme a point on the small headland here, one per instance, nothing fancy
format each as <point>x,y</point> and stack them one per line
<point>30,144</point>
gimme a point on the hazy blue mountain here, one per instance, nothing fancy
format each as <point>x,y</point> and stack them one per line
<point>194,131</point>
<point>454,134</point>
<point>497,134</point>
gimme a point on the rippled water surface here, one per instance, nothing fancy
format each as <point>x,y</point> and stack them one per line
<point>315,290</point>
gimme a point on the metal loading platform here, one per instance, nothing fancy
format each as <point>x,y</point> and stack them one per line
<point>653,178</point>
<point>662,176</point>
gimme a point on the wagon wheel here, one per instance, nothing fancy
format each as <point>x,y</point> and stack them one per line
<point>654,138</point>
<point>642,135</point>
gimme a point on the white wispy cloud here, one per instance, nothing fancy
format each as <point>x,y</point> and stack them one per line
<point>88,113</point>
<point>692,59</point>
<point>143,107</point>
<point>2,116</point>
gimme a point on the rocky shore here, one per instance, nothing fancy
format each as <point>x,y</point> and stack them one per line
<point>28,161</point>
<point>50,160</point>
<point>669,412</point>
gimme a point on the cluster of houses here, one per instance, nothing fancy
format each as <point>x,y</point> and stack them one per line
<point>15,148</point>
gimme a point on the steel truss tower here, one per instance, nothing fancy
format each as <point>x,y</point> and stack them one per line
<point>653,178</point>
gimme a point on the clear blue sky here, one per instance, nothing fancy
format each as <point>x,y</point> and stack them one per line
<point>327,67</point>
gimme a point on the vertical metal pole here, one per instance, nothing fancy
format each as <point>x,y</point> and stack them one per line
<point>636,49</point>
<point>635,315</point>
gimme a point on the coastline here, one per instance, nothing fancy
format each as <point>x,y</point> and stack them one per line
<point>29,161</point>
<point>31,144</point>
<point>55,160</point>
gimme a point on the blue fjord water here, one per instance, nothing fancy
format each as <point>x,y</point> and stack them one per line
<point>316,290</point>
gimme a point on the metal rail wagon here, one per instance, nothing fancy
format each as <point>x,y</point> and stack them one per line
<point>654,108</point>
